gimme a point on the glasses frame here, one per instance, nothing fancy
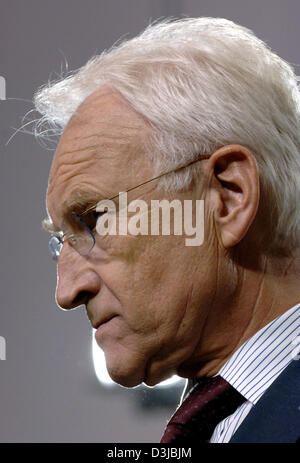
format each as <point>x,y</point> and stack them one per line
<point>60,239</point>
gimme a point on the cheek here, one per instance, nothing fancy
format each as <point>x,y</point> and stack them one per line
<point>139,297</point>
<point>130,266</point>
<point>151,306</point>
<point>123,249</point>
<point>157,288</point>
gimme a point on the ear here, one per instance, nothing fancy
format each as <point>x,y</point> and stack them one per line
<point>236,184</point>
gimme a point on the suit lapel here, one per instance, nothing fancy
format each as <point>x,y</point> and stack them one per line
<point>276,416</point>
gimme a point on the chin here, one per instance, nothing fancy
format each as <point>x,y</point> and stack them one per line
<point>126,377</point>
<point>126,381</point>
<point>129,371</point>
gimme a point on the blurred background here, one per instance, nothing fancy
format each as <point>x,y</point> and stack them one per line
<point>50,389</point>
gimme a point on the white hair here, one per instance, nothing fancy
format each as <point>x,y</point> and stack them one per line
<point>203,83</point>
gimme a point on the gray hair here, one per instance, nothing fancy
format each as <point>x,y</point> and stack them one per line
<point>202,83</point>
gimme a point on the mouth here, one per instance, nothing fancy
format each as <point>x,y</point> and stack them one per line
<point>101,329</point>
<point>102,322</point>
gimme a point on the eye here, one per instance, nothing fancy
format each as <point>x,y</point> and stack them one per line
<point>91,218</point>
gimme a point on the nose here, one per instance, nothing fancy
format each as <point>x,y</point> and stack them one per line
<point>77,281</point>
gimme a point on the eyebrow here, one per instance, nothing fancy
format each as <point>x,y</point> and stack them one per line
<point>85,200</point>
<point>79,201</point>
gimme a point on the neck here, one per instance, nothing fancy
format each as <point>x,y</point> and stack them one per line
<point>260,295</point>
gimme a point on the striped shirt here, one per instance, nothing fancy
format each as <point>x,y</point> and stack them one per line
<point>256,364</point>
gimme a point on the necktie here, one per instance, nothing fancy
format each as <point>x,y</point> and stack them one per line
<point>208,403</point>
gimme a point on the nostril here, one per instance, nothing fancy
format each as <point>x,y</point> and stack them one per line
<point>75,289</point>
<point>82,298</point>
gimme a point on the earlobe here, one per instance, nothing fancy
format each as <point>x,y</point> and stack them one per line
<point>236,178</point>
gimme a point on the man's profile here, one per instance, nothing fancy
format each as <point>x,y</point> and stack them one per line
<point>190,110</point>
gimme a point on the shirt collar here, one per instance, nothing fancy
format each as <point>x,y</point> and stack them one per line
<point>258,362</point>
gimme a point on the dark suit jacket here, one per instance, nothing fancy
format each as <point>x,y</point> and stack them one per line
<point>276,416</point>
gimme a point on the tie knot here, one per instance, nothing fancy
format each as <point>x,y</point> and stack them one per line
<point>210,401</point>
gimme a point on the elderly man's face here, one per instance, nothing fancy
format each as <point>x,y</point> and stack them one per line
<point>148,292</point>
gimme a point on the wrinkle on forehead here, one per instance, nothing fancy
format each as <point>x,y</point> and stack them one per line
<point>104,142</point>
<point>104,118</point>
<point>70,163</point>
<point>110,151</point>
<point>102,138</point>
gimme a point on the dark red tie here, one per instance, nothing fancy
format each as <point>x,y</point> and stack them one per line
<point>208,403</point>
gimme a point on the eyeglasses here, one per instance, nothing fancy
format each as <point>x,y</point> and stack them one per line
<point>82,237</point>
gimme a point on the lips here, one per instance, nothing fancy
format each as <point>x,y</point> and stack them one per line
<point>101,329</point>
<point>102,322</point>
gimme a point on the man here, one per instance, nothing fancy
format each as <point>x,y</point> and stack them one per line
<point>190,110</point>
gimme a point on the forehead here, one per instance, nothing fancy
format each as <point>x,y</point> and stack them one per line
<point>101,149</point>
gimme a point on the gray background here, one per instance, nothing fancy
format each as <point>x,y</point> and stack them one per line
<point>48,388</point>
